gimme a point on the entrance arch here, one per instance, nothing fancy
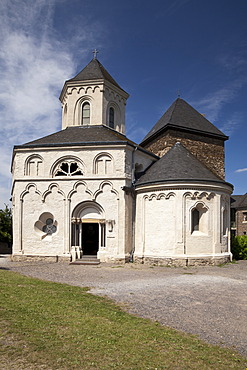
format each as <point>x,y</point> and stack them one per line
<point>88,228</point>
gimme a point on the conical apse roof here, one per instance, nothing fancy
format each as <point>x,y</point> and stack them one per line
<point>177,165</point>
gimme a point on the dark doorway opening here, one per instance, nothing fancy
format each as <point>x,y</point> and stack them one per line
<point>90,238</point>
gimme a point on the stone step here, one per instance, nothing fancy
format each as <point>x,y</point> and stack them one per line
<point>86,260</point>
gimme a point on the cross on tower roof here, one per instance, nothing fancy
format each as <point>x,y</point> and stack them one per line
<point>95,52</point>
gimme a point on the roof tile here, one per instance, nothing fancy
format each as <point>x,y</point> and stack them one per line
<point>183,116</point>
<point>177,165</point>
<point>94,71</point>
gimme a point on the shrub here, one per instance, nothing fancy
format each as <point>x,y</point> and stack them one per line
<point>239,247</point>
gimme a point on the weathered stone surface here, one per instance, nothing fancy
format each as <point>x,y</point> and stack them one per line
<point>182,262</point>
<point>24,258</point>
<point>241,222</point>
<point>210,151</point>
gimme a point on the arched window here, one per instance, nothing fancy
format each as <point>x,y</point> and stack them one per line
<point>86,114</point>
<point>111,117</point>
<point>65,114</point>
<point>103,165</point>
<point>224,222</point>
<point>68,167</point>
<point>34,166</point>
<point>199,219</point>
<point>195,220</point>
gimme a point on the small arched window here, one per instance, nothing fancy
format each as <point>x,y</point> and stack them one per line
<point>86,114</point>
<point>195,220</point>
<point>103,165</point>
<point>225,222</point>
<point>111,117</point>
<point>34,166</point>
<point>65,114</point>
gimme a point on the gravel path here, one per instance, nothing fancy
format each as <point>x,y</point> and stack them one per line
<point>208,301</point>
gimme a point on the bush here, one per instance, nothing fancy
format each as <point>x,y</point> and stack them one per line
<point>6,225</point>
<point>239,247</point>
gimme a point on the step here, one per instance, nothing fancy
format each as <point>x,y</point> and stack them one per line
<point>86,260</point>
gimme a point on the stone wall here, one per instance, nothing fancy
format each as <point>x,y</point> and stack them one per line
<point>241,222</point>
<point>210,151</point>
<point>183,262</point>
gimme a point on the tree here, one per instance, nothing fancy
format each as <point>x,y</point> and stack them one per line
<point>6,225</point>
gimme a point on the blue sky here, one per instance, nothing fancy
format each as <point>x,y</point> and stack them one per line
<point>152,49</point>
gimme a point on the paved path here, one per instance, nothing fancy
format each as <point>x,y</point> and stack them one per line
<point>208,301</point>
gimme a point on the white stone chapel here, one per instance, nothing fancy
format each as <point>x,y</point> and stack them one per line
<point>87,192</point>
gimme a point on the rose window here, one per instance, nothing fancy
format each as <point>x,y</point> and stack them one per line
<point>46,225</point>
<point>49,228</point>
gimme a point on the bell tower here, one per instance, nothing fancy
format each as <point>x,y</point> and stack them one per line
<point>93,97</point>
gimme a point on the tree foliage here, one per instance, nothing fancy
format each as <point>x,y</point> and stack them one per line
<point>6,225</point>
<point>239,247</point>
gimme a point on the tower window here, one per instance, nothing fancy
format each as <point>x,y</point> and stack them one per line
<point>86,114</point>
<point>111,117</point>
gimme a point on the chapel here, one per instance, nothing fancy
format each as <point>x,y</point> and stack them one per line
<point>88,194</point>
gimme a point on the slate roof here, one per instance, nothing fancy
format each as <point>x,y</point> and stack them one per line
<point>184,117</point>
<point>239,201</point>
<point>80,135</point>
<point>94,71</point>
<point>177,165</point>
<point>83,136</point>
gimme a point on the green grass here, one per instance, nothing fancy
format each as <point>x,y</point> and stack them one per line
<point>55,326</point>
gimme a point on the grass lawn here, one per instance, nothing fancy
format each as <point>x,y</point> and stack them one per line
<point>46,325</point>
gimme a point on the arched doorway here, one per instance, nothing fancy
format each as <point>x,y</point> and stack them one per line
<point>88,228</point>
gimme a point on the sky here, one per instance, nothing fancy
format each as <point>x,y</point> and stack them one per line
<point>155,50</point>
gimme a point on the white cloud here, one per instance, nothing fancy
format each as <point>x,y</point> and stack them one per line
<point>231,124</point>
<point>213,103</point>
<point>241,170</point>
<point>173,7</point>
<point>33,67</point>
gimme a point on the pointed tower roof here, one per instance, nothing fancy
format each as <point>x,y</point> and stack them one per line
<point>94,71</point>
<point>177,165</point>
<point>182,116</point>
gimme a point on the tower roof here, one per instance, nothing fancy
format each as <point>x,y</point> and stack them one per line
<point>177,165</point>
<point>182,116</point>
<point>94,71</point>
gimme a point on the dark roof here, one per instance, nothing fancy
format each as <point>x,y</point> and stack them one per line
<point>239,201</point>
<point>79,135</point>
<point>82,136</point>
<point>183,116</point>
<point>94,71</point>
<point>177,165</point>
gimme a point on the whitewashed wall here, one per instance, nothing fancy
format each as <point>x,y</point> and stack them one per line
<point>37,190</point>
<point>164,222</point>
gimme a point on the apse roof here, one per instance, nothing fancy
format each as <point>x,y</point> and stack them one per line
<point>183,116</point>
<point>94,71</point>
<point>177,165</point>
